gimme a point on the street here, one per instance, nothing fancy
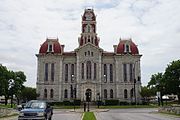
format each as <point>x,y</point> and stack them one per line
<point>112,114</point>
<point>134,114</point>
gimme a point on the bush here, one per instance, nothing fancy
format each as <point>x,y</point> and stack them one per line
<point>123,103</point>
<point>77,102</point>
<point>111,102</point>
<point>67,103</point>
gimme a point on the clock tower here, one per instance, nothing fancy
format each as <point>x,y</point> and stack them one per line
<point>88,34</point>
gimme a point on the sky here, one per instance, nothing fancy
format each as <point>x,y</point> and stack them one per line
<point>154,25</point>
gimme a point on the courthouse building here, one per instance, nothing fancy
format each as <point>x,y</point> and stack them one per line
<point>63,75</point>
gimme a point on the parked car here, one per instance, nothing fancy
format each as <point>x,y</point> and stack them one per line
<point>36,109</point>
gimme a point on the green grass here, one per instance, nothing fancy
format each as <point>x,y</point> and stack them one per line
<point>7,106</point>
<point>65,107</point>
<point>89,116</point>
<point>15,114</point>
<point>127,106</point>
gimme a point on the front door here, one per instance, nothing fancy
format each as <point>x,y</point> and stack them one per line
<point>88,95</point>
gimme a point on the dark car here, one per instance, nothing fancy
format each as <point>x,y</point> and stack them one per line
<point>36,109</point>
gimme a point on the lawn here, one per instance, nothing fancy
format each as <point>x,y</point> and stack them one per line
<point>127,106</point>
<point>89,116</point>
<point>7,106</point>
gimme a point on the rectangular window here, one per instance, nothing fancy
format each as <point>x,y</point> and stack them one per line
<point>66,72</point>
<point>94,70</point>
<point>82,70</point>
<point>72,72</point>
<point>131,72</point>
<point>125,72</point>
<point>46,72</point>
<point>105,73</point>
<point>111,73</point>
<point>52,71</point>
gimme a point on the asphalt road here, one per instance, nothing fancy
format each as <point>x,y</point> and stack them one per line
<point>133,114</point>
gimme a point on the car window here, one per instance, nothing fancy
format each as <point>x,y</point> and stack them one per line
<point>36,105</point>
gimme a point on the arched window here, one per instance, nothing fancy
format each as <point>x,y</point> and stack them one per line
<point>131,72</point>
<point>82,71</point>
<point>51,93</point>
<point>111,93</point>
<point>105,93</point>
<point>65,93</point>
<point>125,72</point>
<point>132,92</point>
<point>88,71</point>
<point>125,94</point>
<point>45,93</point>
<point>127,49</point>
<point>52,71</point>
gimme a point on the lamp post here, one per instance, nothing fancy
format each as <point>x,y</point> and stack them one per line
<point>11,85</point>
<point>98,95</point>
<point>158,93</point>
<point>73,91</point>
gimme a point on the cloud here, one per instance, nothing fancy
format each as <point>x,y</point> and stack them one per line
<point>153,25</point>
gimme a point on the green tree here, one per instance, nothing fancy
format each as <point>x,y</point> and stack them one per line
<point>172,77</point>
<point>29,93</point>
<point>157,82</point>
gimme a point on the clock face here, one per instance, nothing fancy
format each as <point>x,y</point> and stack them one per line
<point>88,16</point>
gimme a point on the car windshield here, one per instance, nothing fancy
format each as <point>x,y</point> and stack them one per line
<point>35,104</point>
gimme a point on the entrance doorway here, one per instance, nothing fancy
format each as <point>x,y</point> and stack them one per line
<point>88,95</point>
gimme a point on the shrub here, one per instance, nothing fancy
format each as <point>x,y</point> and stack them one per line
<point>123,103</point>
<point>111,102</point>
<point>77,102</point>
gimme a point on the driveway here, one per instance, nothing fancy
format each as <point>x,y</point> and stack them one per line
<point>134,114</point>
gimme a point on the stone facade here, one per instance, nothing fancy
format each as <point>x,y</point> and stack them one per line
<point>106,75</point>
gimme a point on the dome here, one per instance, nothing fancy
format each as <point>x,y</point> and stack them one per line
<point>127,46</point>
<point>50,46</point>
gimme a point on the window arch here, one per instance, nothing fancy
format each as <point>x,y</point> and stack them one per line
<point>105,93</point>
<point>125,94</point>
<point>45,93</point>
<point>88,71</point>
<point>111,93</point>
<point>51,93</point>
<point>65,93</point>
<point>111,73</point>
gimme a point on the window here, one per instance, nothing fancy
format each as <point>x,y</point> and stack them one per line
<point>111,73</point>
<point>82,70</point>
<point>127,49</point>
<point>125,72</point>
<point>105,93</point>
<point>91,53</point>
<point>132,92</point>
<point>50,48</point>
<point>51,93</point>
<point>65,93</point>
<point>52,71</point>
<point>88,53</point>
<point>94,71</point>
<point>125,94</point>
<point>105,73</point>
<point>46,72</point>
<point>131,72</point>
<point>88,70</point>
<point>45,93</point>
<point>72,72</point>
<point>85,53</point>
<point>66,72</point>
<point>71,91</point>
<point>111,93</point>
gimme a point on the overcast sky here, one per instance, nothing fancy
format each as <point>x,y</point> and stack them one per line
<point>154,25</point>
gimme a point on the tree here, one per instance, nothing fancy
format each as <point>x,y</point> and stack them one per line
<point>172,77</point>
<point>29,93</point>
<point>158,83</point>
<point>147,92</point>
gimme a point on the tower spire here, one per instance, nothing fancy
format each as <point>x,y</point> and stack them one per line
<point>88,34</point>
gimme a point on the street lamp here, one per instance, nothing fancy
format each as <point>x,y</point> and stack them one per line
<point>105,80</point>
<point>98,95</point>
<point>11,85</point>
<point>158,93</point>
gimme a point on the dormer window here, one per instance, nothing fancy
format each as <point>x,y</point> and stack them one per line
<point>50,48</point>
<point>127,48</point>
